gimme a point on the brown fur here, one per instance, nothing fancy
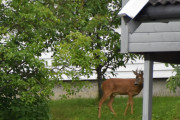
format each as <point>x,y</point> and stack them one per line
<point>114,86</point>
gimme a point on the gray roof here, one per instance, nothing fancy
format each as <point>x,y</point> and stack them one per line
<point>163,2</point>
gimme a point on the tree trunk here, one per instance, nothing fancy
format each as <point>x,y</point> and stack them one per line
<point>100,80</point>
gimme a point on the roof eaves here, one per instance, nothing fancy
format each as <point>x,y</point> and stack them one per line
<point>163,2</point>
<point>132,8</point>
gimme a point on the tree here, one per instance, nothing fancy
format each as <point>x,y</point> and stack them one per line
<point>90,42</point>
<point>26,30</point>
<point>174,81</point>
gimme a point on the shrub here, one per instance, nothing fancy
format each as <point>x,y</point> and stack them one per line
<point>19,110</point>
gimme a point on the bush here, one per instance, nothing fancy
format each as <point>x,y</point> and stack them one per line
<point>173,82</point>
<point>26,31</point>
<point>19,110</point>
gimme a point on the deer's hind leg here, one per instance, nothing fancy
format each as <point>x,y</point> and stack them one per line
<point>110,104</point>
<point>104,97</point>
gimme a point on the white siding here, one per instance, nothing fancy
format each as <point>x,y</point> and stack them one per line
<point>47,57</point>
<point>160,70</point>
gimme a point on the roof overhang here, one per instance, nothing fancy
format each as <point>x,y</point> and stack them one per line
<point>132,8</point>
<point>165,57</point>
<point>142,10</point>
<point>159,13</point>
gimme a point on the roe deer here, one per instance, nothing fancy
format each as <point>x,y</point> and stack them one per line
<point>114,86</point>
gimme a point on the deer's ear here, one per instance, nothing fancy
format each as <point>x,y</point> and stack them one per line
<point>141,73</point>
<point>135,72</point>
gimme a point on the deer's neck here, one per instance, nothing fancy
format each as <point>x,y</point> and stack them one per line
<point>139,87</point>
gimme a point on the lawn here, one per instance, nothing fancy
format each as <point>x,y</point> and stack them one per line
<point>164,108</point>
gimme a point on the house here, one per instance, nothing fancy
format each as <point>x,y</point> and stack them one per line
<point>150,28</point>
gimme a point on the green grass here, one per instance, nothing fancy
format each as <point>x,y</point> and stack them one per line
<point>164,108</point>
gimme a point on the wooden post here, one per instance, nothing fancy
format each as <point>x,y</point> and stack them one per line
<point>147,89</point>
<point>124,33</point>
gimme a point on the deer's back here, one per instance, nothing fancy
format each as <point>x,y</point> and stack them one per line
<point>120,86</point>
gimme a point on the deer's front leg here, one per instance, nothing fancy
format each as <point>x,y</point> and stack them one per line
<point>125,112</point>
<point>131,103</point>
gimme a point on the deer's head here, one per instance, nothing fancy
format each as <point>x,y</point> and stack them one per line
<point>139,77</point>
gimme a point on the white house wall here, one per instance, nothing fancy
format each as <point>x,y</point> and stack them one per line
<point>160,70</point>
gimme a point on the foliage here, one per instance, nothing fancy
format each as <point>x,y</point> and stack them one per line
<point>174,81</point>
<point>74,57</point>
<point>26,30</point>
<point>19,110</point>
